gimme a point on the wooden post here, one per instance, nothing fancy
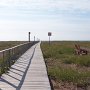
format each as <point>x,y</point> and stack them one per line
<point>3,65</point>
<point>29,36</point>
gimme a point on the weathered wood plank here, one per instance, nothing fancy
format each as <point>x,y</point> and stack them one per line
<point>28,73</point>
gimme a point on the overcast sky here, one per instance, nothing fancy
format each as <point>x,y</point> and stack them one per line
<point>66,19</point>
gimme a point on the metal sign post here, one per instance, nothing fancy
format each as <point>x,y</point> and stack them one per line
<point>49,34</point>
<point>29,36</point>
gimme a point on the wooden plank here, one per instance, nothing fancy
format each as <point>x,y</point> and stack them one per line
<point>28,73</point>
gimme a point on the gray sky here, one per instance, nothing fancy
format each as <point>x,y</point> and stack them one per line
<point>66,19</point>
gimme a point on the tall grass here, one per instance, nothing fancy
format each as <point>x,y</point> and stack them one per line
<point>6,45</point>
<point>59,55</point>
<point>64,51</point>
<point>9,44</point>
<point>79,60</point>
<point>70,75</point>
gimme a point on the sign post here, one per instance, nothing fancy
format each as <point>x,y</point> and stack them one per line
<point>49,34</point>
<point>29,36</point>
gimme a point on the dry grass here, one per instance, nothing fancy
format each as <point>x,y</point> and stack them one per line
<point>6,45</point>
<point>9,44</point>
<point>64,66</point>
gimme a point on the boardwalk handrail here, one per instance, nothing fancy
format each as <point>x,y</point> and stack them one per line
<point>13,47</point>
<point>10,55</point>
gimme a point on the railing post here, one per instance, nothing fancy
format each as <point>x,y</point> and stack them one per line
<point>6,60</point>
<point>10,55</point>
<point>2,64</point>
<point>9,58</point>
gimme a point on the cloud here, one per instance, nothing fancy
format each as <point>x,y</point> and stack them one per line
<point>46,7</point>
<point>66,9</point>
<point>68,19</point>
<point>48,4</point>
<point>52,2</point>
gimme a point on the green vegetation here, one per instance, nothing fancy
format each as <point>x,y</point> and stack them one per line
<point>64,65</point>
<point>9,44</point>
<point>70,75</point>
<point>4,63</point>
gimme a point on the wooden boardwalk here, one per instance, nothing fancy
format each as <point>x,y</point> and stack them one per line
<point>28,73</point>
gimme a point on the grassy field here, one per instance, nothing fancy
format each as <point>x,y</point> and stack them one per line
<point>9,44</point>
<point>5,45</point>
<point>66,67</point>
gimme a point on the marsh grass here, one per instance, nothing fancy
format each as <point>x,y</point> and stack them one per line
<point>9,44</point>
<point>5,45</point>
<point>64,51</point>
<point>79,60</point>
<point>60,54</point>
<point>70,75</point>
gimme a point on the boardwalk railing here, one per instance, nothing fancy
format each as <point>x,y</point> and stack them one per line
<point>9,56</point>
